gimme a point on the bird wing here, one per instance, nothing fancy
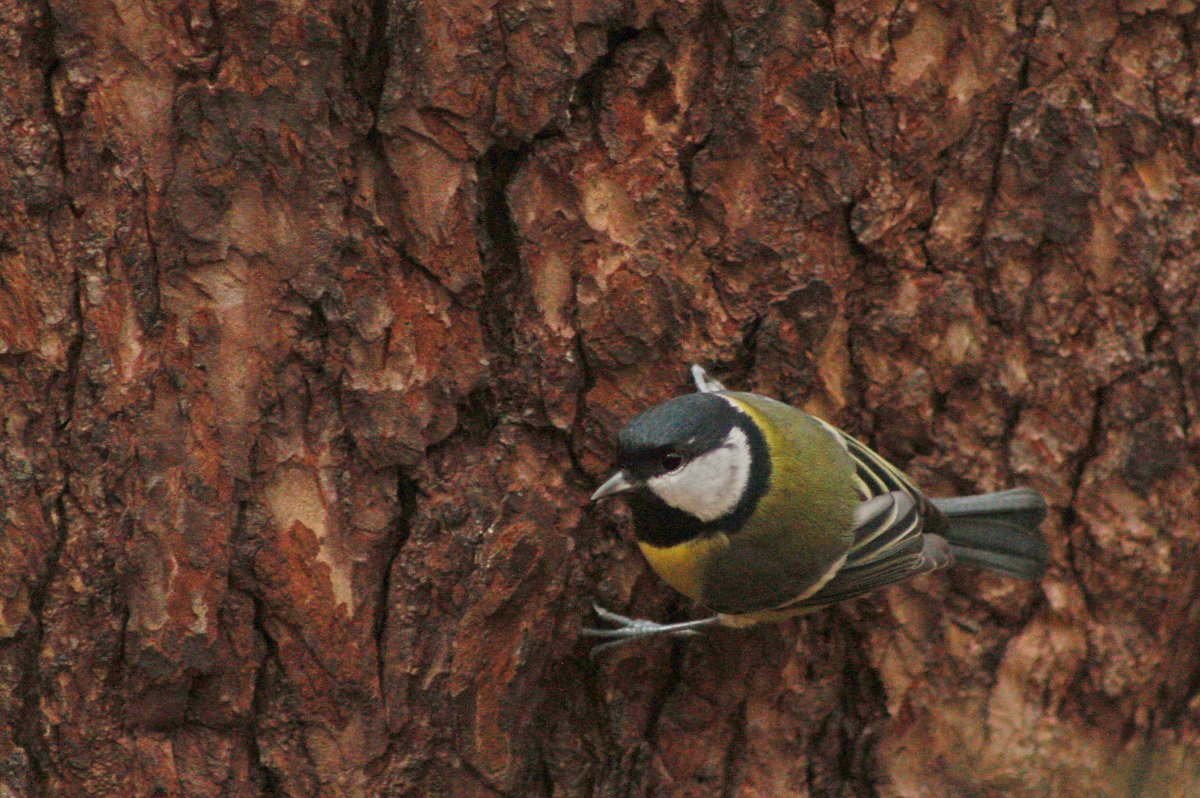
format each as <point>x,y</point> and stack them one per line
<point>873,476</point>
<point>889,546</point>
<point>896,534</point>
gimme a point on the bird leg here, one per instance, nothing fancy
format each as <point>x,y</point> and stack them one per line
<point>629,629</point>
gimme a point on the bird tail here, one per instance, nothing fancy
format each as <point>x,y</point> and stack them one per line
<point>998,531</point>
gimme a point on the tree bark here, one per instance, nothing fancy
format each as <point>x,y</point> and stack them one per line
<point>318,321</point>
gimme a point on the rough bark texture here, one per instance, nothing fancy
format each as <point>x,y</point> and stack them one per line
<point>318,320</point>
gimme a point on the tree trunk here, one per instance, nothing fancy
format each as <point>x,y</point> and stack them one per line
<point>318,321</point>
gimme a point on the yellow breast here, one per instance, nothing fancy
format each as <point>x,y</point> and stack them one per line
<point>682,566</point>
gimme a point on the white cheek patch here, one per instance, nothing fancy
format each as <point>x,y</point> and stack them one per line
<point>711,485</point>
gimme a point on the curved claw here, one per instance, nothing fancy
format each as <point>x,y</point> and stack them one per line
<point>704,382</point>
<point>627,629</point>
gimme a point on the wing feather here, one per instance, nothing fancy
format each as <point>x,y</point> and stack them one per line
<point>934,553</point>
<point>889,546</point>
<point>873,475</point>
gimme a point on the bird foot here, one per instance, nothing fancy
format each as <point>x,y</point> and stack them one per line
<point>704,382</point>
<point>626,629</point>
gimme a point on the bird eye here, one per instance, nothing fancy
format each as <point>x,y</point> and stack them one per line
<point>671,460</point>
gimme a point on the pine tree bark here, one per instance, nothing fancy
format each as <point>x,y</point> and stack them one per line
<point>318,320</point>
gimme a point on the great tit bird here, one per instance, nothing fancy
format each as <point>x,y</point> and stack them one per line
<point>760,511</point>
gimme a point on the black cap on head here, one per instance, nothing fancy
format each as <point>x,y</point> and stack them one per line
<point>688,425</point>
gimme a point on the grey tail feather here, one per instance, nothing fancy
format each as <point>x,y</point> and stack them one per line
<point>998,531</point>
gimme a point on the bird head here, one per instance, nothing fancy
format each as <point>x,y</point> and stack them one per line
<point>697,454</point>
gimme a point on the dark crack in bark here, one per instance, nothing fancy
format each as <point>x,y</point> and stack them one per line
<point>52,61</point>
<point>375,62</point>
<point>988,298</point>
<point>272,786</point>
<point>56,511</point>
<point>28,732</point>
<point>586,95</point>
<point>735,752</point>
<point>499,246</point>
<point>1070,516</point>
<point>406,502</point>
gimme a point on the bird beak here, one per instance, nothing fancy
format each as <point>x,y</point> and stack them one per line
<point>616,483</point>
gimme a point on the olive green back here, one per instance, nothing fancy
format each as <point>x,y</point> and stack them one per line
<point>803,524</point>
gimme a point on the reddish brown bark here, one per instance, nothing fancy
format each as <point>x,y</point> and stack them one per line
<point>318,320</point>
